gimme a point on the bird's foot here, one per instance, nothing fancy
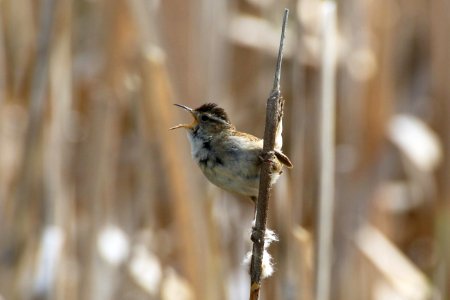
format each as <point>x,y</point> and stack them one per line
<point>271,158</point>
<point>267,157</point>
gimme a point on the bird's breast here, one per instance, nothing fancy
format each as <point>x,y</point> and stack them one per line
<point>227,165</point>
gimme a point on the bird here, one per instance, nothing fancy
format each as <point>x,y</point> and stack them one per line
<point>230,159</point>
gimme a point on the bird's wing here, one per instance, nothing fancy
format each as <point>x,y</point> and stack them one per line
<point>246,135</point>
<point>280,155</point>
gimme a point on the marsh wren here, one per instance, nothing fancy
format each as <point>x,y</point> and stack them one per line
<point>229,158</point>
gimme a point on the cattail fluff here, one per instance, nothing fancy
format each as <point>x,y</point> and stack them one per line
<point>267,261</point>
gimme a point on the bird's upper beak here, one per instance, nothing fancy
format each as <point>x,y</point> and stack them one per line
<point>187,126</point>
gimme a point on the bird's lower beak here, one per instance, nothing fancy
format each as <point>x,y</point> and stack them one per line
<point>187,126</point>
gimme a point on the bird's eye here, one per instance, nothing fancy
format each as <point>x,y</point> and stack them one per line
<point>204,118</point>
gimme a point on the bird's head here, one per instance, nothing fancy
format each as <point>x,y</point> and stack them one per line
<point>209,118</point>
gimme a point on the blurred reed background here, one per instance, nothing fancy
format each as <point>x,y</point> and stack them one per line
<point>98,200</point>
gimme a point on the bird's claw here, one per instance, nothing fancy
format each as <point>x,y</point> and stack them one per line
<point>267,156</point>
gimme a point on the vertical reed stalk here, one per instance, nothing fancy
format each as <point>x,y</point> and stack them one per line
<point>327,150</point>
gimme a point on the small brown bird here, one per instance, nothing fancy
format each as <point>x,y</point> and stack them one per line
<point>229,158</point>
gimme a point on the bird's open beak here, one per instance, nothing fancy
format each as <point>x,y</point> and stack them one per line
<point>187,126</point>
